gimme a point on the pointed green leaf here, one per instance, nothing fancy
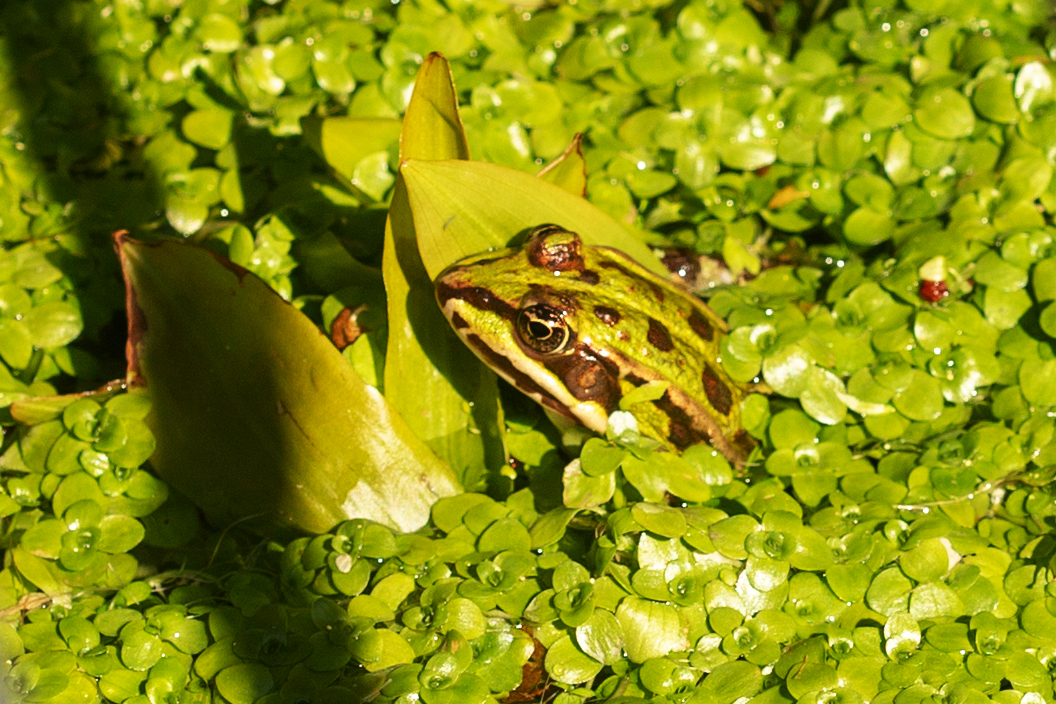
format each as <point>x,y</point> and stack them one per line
<point>254,411</point>
<point>451,401</point>
<point>432,128</point>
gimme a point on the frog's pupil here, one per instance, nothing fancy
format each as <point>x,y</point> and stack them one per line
<point>539,330</point>
<point>542,329</point>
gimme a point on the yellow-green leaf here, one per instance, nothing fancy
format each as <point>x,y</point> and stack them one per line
<point>343,142</point>
<point>255,413</point>
<point>450,400</point>
<point>569,171</point>
<point>432,128</point>
<point>466,207</point>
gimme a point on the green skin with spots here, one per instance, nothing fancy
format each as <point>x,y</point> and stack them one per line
<point>577,327</point>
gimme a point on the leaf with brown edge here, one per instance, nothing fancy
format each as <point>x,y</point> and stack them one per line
<point>254,412</point>
<point>535,682</point>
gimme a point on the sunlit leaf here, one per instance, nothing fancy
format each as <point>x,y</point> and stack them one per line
<point>254,411</point>
<point>569,171</point>
<point>451,400</point>
<point>464,207</point>
<point>345,141</point>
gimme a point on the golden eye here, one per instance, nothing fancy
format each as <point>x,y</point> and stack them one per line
<point>541,328</point>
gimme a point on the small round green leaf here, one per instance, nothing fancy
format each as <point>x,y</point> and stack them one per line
<point>601,637</point>
<point>53,324</point>
<point>651,629</point>
<point>209,128</point>
<point>244,683</point>
<point>140,650</point>
<point>927,562</point>
<point>867,227</point>
<point>993,100</point>
<point>921,400</point>
<point>566,663</point>
<point>219,33</point>
<point>1037,379</point>
<point>945,113</point>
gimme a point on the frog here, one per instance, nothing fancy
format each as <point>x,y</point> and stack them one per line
<point>579,327</point>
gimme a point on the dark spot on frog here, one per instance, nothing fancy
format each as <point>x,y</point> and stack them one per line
<point>588,378</point>
<point>459,322</point>
<point>701,326</point>
<point>682,262</point>
<point>606,264</point>
<point>609,316</point>
<point>482,262</point>
<point>635,379</point>
<point>680,431</point>
<point>590,277</point>
<point>476,296</point>
<point>678,434</point>
<point>658,336</point>
<point>518,378</point>
<point>622,334</point>
<point>719,395</point>
<point>658,293</point>
<point>554,248</point>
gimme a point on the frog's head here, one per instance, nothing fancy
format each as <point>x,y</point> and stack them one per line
<point>517,310</point>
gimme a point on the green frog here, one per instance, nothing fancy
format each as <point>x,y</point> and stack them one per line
<point>578,327</point>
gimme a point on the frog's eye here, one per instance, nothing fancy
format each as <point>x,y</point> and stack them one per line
<point>542,328</point>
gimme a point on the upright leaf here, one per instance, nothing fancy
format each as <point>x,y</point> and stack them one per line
<point>450,399</point>
<point>255,413</point>
<point>432,127</point>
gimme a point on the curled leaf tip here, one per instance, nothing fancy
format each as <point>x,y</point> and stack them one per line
<point>137,321</point>
<point>569,171</point>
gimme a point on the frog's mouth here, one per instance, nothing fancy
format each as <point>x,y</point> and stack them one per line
<point>574,384</point>
<point>585,395</point>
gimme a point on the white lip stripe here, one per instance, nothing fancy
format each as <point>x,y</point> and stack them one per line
<point>589,414</point>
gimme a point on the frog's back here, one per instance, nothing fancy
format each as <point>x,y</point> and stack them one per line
<point>665,333</point>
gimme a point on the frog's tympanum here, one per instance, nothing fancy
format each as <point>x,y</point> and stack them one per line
<point>577,327</point>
